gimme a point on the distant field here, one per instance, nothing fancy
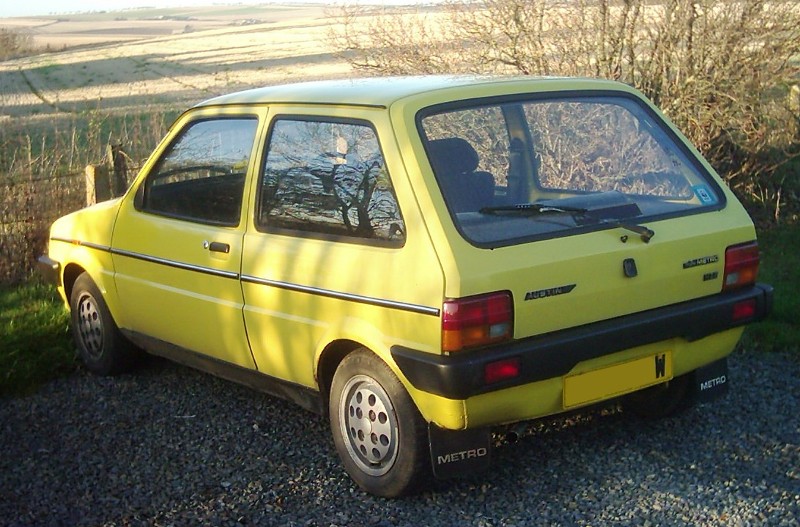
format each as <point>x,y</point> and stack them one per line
<point>134,58</point>
<point>119,26</point>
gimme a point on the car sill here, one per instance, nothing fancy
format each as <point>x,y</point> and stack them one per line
<point>303,396</point>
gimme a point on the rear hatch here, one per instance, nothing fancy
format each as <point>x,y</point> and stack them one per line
<point>586,205</point>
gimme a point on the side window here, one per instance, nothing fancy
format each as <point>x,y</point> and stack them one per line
<point>201,176</point>
<point>328,178</point>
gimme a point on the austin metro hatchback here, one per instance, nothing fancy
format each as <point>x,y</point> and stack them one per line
<point>422,260</point>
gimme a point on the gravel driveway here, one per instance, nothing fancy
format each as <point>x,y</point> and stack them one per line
<point>171,446</point>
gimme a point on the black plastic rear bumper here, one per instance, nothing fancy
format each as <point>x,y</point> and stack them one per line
<point>461,375</point>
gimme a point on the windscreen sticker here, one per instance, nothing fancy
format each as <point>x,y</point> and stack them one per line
<point>705,195</point>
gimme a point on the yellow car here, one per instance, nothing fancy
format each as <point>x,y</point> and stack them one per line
<point>422,259</point>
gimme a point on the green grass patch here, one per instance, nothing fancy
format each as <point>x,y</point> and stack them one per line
<point>35,344</point>
<point>780,267</point>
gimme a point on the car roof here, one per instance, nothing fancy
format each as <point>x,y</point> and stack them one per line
<point>383,91</point>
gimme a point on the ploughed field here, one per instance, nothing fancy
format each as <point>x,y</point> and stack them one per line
<point>131,59</point>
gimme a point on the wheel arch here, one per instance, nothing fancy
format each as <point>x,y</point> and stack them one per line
<point>335,352</point>
<point>330,358</point>
<point>71,273</point>
<point>447,413</point>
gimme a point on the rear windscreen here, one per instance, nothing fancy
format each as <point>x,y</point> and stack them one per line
<point>522,169</point>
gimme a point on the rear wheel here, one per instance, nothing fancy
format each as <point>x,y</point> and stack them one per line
<point>378,431</point>
<point>101,346</point>
<point>662,400</point>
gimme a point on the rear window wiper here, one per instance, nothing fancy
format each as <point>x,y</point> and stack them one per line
<point>644,233</point>
<point>605,216</point>
<point>532,209</point>
<point>619,216</point>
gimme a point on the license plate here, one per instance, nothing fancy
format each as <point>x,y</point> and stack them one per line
<point>619,379</point>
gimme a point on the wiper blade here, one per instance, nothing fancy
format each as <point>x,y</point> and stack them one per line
<point>532,208</point>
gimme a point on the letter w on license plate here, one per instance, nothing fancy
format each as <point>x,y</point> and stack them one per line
<point>619,379</point>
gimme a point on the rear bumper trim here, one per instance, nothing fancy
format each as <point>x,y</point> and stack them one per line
<point>460,376</point>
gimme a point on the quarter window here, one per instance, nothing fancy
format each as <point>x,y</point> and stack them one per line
<point>201,176</point>
<point>328,179</point>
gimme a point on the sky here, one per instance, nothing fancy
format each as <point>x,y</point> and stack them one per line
<point>9,8</point>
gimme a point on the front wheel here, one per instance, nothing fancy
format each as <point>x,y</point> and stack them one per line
<point>101,346</point>
<point>378,431</point>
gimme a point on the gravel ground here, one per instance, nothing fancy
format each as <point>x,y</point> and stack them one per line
<point>171,446</point>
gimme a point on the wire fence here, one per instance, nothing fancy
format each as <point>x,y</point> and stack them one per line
<point>26,210</point>
<point>28,205</point>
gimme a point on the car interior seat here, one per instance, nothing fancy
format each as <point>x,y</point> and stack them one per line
<point>454,162</point>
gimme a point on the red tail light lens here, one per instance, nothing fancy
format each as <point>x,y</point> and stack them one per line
<point>744,310</point>
<point>501,370</point>
<point>476,321</point>
<point>741,265</point>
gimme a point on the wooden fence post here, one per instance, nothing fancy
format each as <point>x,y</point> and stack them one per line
<point>119,165</point>
<point>794,99</point>
<point>109,180</point>
<point>97,184</point>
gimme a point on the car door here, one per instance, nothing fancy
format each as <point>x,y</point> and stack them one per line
<point>177,241</point>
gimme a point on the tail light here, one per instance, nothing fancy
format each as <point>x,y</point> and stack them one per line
<point>502,370</point>
<point>475,321</point>
<point>744,310</point>
<point>741,266</point>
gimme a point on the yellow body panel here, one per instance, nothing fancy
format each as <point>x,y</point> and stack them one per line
<point>82,240</point>
<point>195,310</point>
<point>193,295</point>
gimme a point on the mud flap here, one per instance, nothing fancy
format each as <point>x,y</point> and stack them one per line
<point>710,382</point>
<point>459,452</point>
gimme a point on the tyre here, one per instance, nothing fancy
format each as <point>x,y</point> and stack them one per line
<point>101,346</point>
<point>379,434</point>
<point>662,400</point>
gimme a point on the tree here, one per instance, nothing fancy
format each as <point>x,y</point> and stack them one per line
<point>14,44</point>
<point>722,71</point>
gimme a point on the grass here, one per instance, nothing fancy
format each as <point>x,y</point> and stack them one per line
<point>780,267</point>
<point>35,344</point>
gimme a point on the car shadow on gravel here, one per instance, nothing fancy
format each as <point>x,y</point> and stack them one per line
<point>167,445</point>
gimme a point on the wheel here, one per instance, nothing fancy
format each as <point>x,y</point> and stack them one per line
<point>101,346</point>
<point>662,400</point>
<point>379,434</point>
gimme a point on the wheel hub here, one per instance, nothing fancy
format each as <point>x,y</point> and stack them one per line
<point>369,424</point>
<point>90,326</point>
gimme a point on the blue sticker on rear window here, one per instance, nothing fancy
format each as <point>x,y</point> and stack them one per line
<point>705,195</point>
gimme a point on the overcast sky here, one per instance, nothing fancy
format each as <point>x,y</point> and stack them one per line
<point>10,8</point>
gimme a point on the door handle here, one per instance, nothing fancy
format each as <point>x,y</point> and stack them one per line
<point>217,247</point>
